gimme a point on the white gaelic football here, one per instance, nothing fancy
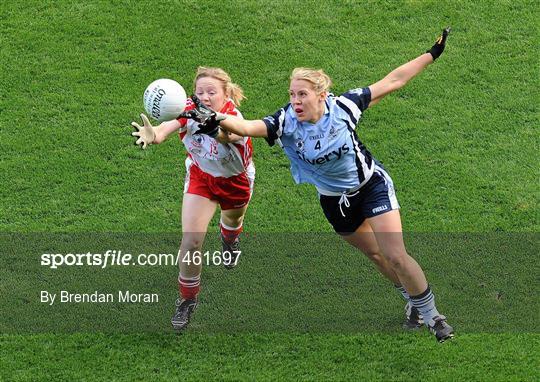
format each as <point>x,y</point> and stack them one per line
<point>164,99</point>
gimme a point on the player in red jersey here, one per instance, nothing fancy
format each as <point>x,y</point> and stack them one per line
<point>219,171</point>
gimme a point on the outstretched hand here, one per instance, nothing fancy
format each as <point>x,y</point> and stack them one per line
<point>207,118</point>
<point>437,49</point>
<point>145,132</point>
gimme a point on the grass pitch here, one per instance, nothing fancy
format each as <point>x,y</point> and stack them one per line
<point>460,142</point>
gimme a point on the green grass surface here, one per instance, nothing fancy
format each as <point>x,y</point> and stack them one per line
<point>460,141</point>
<point>399,357</point>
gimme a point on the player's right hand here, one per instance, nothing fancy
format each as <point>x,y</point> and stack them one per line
<point>201,113</point>
<point>145,132</point>
<point>207,118</point>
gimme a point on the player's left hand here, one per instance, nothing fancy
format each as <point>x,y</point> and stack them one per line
<point>437,49</point>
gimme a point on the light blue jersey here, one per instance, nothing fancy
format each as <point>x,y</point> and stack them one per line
<point>328,153</point>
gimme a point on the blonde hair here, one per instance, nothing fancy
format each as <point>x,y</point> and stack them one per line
<point>317,77</point>
<point>231,89</point>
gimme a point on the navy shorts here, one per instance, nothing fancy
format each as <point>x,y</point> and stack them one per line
<point>347,212</point>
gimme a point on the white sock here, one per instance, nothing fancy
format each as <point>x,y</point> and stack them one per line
<point>425,303</point>
<point>403,292</point>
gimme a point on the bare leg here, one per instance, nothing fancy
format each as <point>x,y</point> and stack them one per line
<point>197,211</point>
<point>234,217</point>
<point>388,232</point>
<point>364,239</point>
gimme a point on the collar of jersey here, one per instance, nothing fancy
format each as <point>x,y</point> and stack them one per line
<point>229,106</point>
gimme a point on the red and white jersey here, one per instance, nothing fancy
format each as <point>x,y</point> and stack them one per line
<point>212,157</point>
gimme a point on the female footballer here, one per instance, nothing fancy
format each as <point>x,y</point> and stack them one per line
<point>316,130</point>
<point>219,171</point>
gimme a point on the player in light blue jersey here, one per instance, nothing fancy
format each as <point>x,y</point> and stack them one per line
<point>316,130</point>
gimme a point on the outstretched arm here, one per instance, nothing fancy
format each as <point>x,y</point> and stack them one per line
<point>148,134</point>
<point>226,137</point>
<point>397,78</point>
<point>244,128</point>
<point>218,125</point>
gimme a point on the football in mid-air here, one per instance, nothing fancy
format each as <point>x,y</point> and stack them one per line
<point>164,99</point>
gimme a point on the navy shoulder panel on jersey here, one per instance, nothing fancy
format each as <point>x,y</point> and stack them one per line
<point>361,97</point>
<point>274,124</point>
<point>354,102</point>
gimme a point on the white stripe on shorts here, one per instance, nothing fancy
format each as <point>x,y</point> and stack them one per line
<point>189,162</point>
<point>391,191</point>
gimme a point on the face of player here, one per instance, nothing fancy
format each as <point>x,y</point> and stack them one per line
<point>306,102</point>
<point>211,93</point>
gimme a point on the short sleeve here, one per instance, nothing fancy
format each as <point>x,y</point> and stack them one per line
<point>189,106</point>
<point>274,126</point>
<point>361,97</point>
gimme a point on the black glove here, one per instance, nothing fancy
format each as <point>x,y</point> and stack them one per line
<point>207,118</point>
<point>200,113</point>
<point>437,49</point>
<point>210,128</point>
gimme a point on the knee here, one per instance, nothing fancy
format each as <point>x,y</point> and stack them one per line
<point>234,221</point>
<point>397,260</point>
<point>374,255</point>
<point>191,242</point>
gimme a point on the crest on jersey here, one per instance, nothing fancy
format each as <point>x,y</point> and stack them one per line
<point>358,91</point>
<point>299,143</point>
<point>332,133</point>
<point>198,140</point>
